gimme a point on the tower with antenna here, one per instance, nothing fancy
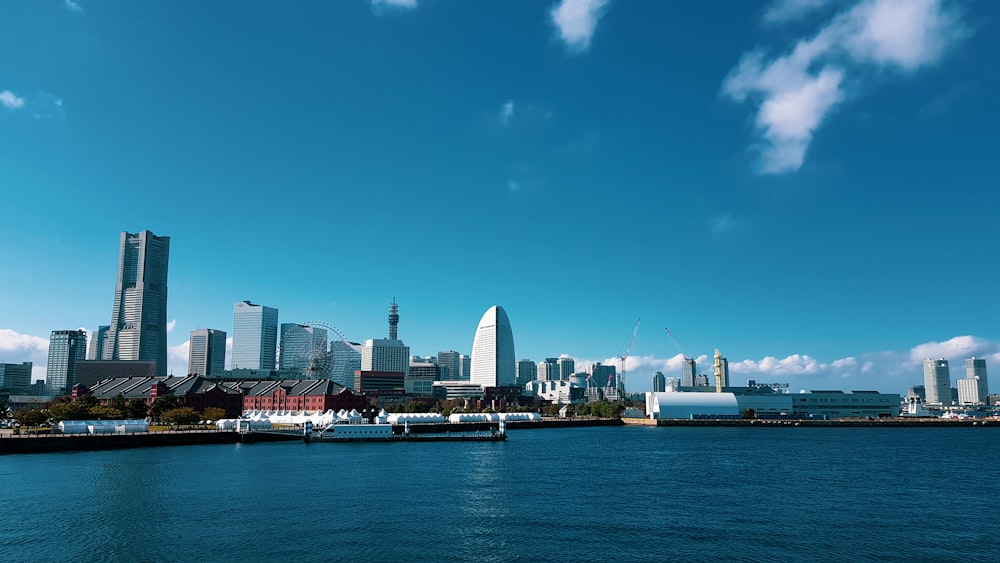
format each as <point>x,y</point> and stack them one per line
<point>394,320</point>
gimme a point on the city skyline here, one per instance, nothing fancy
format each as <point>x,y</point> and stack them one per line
<point>800,185</point>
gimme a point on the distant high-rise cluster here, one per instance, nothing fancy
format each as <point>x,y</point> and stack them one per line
<point>974,389</point>
<point>138,329</point>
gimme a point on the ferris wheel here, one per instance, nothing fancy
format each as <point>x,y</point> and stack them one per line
<point>309,350</point>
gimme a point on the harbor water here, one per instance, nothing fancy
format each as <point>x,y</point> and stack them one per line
<point>562,494</point>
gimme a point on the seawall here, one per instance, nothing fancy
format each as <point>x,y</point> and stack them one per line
<point>85,442</point>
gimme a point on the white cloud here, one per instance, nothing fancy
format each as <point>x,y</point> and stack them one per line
<point>782,11</point>
<point>13,342</point>
<point>797,91</point>
<point>10,101</point>
<point>959,346</point>
<point>74,6</point>
<point>576,21</point>
<point>506,112</point>
<point>177,358</point>
<point>171,325</point>
<point>381,5</point>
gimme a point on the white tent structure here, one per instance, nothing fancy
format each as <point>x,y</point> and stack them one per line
<point>415,418</point>
<point>684,405</point>
<point>103,426</point>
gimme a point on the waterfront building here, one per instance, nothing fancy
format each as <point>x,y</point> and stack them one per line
<point>15,378</point>
<point>769,404</point>
<point>558,392</point>
<point>66,348</point>
<point>345,359</point>
<point>90,372</point>
<point>138,329</point>
<point>492,362</point>
<point>255,336</point>
<point>419,382</point>
<point>303,350</point>
<point>298,395</point>
<point>548,370</point>
<point>191,391</point>
<point>380,383</point>
<point>526,371</point>
<point>937,381</point>
<point>98,340</point>
<point>457,390</point>
<point>689,368</point>
<point>659,382</point>
<point>207,352</point>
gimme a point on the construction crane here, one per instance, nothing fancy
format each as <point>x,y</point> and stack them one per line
<point>677,343</point>
<point>628,350</point>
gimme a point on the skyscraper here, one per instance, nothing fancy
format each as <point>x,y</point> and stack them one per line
<point>207,352</point>
<point>659,382</point>
<point>450,363</point>
<point>689,368</point>
<point>976,367</point>
<point>974,389</point>
<point>138,329</point>
<point>493,350</point>
<point>526,371</point>
<point>345,359</point>
<point>566,368</point>
<point>95,349</point>
<point>303,348</point>
<point>387,355</point>
<point>255,336</point>
<point>65,348</point>
<point>548,370</point>
<point>937,381</point>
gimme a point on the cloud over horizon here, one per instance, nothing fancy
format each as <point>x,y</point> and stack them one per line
<point>797,91</point>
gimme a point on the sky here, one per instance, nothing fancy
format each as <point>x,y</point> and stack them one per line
<point>809,186</point>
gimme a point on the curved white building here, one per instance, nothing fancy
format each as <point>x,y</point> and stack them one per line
<point>493,351</point>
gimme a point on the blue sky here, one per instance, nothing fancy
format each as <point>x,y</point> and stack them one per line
<point>808,185</point>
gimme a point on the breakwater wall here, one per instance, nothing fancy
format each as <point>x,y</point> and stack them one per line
<point>86,442</point>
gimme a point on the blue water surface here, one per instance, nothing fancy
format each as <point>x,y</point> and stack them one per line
<point>573,494</point>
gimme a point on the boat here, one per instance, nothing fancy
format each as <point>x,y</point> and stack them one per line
<point>383,432</point>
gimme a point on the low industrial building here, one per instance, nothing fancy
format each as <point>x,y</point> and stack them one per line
<point>191,391</point>
<point>556,392</point>
<point>829,404</point>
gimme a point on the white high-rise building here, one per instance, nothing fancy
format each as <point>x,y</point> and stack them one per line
<point>380,354</point>
<point>207,352</point>
<point>493,350</point>
<point>138,329</point>
<point>98,340</point>
<point>255,336</point>
<point>937,381</point>
<point>974,389</point>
